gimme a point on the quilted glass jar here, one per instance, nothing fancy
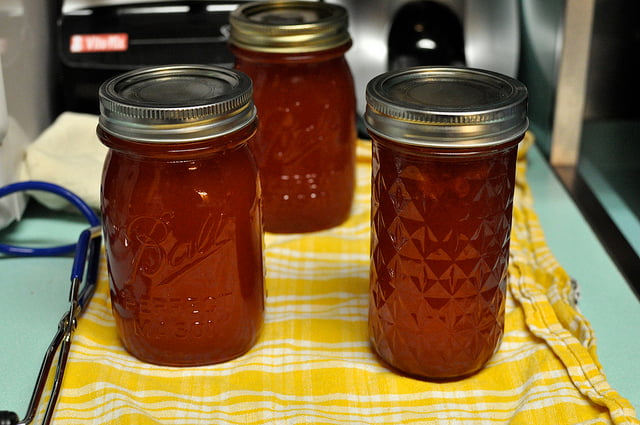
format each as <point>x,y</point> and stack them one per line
<point>444,156</point>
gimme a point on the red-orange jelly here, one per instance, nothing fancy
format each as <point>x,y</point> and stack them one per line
<point>305,144</point>
<point>440,247</point>
<point>184,249</point>
<point>182,223</point>
<point>444,145</point>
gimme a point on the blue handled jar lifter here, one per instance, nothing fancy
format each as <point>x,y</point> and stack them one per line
<point>85,265</point>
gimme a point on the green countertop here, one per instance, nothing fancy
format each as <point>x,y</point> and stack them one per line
<point>607,301</point>
<point>34,291</point>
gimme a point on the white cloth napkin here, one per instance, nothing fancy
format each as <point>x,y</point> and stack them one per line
<point>12,147</point>
<point>68,153</point>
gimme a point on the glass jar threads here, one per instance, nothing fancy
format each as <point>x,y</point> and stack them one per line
<point>303,89</point>
<point>444,155</point>
<point>181,213</point>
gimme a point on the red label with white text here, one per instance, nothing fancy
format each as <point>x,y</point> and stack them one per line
<point>92,43</point>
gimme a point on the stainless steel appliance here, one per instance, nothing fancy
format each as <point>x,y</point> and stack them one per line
<point>396,33</point>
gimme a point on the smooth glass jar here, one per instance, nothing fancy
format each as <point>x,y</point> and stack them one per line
<point>181,213</point>
<point>304,91</point>
<point>444,158</point>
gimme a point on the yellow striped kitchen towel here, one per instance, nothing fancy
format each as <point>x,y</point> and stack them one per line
<point>313,363</point>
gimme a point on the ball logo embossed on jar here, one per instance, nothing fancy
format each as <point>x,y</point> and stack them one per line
<point>152,240</point>
<point>442,197</point>
<point>182,213</point>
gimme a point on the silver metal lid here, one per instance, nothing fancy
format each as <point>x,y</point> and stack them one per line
<point>446,107</point>
<point>176,103</point>
<point>285,26</point>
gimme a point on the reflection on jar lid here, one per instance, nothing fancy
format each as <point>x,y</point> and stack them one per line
<point>289,26</point>
<point>446,107</point>
<point>176,103</point>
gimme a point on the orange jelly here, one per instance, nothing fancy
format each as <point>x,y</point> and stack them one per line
<point>181,214</point>
<point>304,92</point>
<point>443,176</point>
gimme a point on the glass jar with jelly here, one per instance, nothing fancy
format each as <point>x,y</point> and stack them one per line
<point>304,91</point>
<point>181,213</point>
<point>444,146</point>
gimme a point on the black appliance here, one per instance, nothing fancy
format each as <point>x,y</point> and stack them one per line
<point>97,42</point>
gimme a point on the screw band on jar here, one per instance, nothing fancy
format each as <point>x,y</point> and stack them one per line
<point>289,26</point>
<point>176,103</point>
<point>446,107</point>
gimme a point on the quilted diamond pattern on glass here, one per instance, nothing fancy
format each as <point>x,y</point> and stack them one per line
<point>440,241</point>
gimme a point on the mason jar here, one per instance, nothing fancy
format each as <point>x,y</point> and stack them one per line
<point>304,91</point>
<point>444,146</point>
<point>181,213</point>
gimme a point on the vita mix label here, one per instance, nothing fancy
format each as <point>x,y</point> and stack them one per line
<point>94,43</point>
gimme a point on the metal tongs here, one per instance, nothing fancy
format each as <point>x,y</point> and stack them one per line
<point>85,268</point>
